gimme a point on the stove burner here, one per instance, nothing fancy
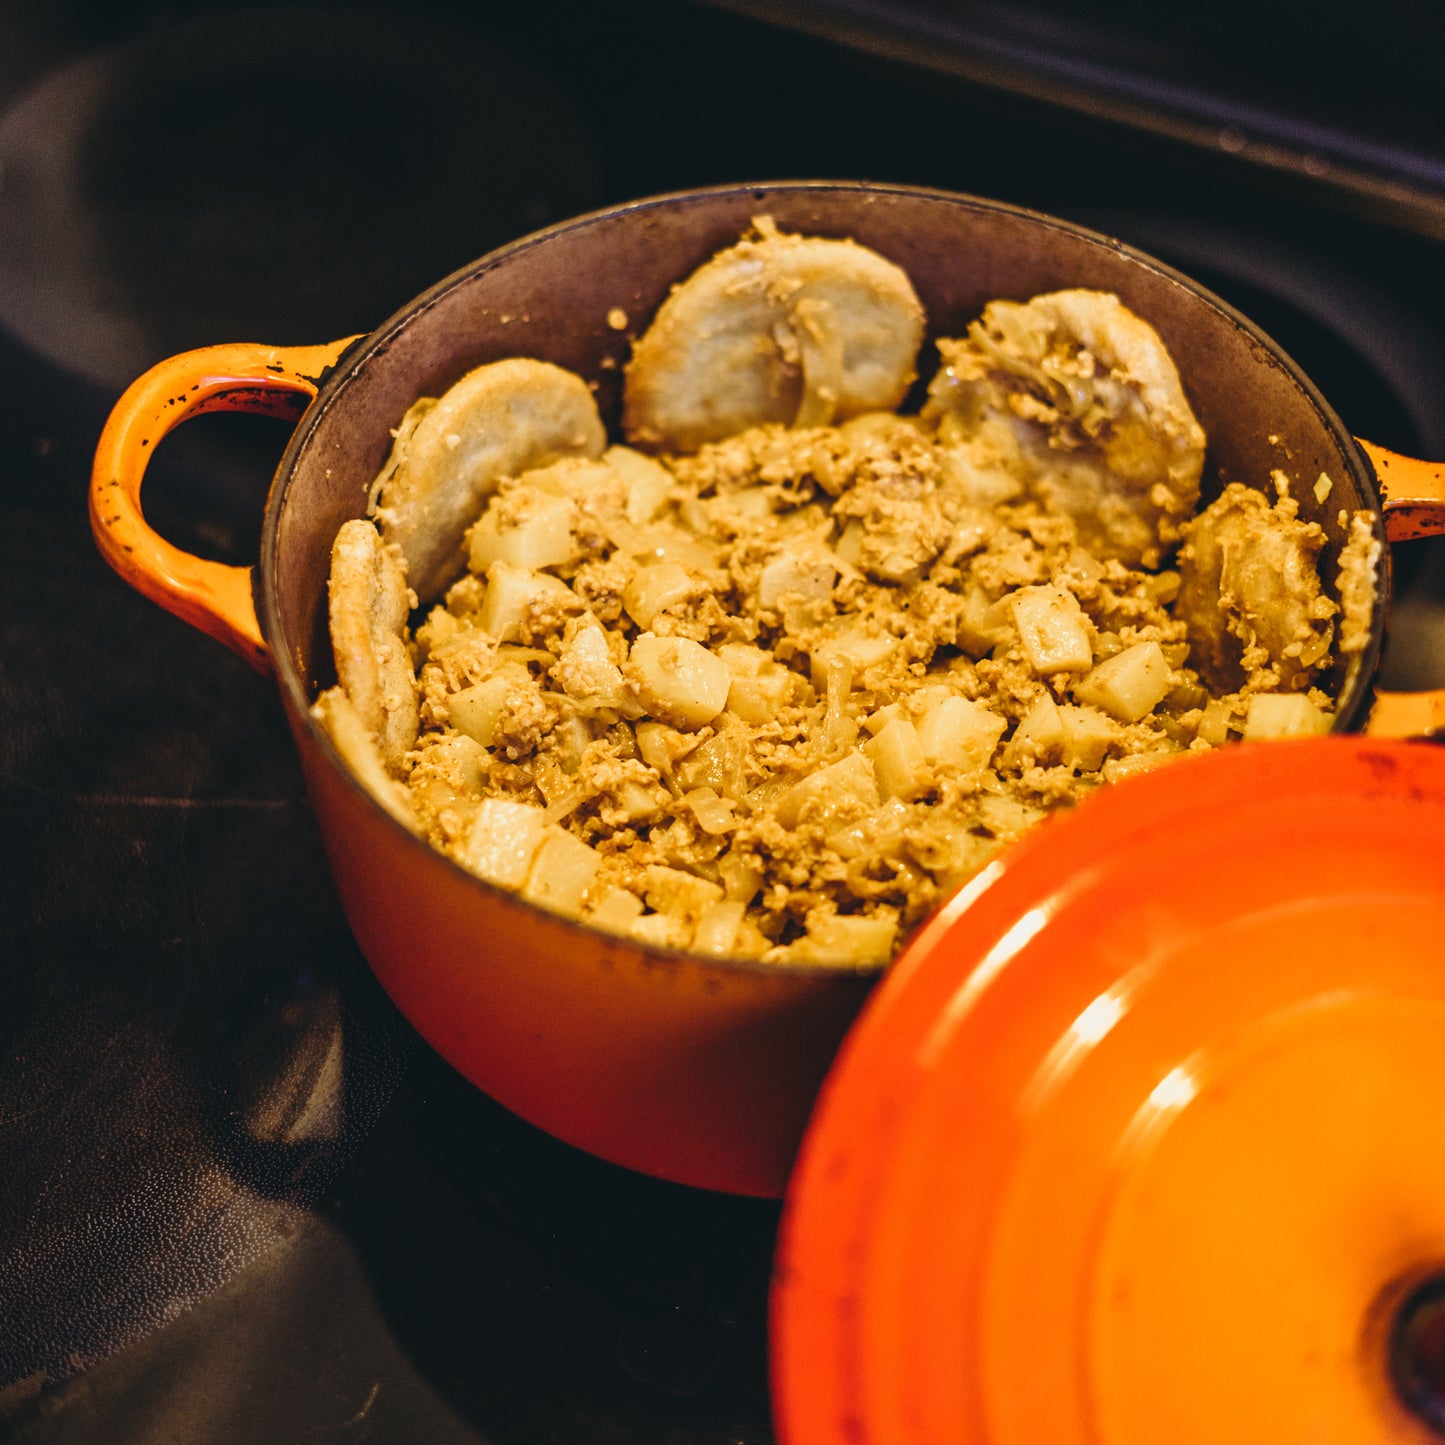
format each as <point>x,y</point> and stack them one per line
<point>272,175</point>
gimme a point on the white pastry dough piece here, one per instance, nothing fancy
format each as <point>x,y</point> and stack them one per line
<point>1250,592</point>
<point>798,330</point>
<point>358,749</point>
<point>449,453</point>
<point>369,604</point>
<point>1103,430</point>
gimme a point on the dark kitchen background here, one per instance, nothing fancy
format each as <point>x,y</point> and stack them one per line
<point>238,1200</point>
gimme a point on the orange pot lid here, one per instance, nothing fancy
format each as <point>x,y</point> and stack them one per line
<point>1143,1139</point>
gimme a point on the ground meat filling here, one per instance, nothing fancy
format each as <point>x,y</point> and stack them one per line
<point>780,695</point>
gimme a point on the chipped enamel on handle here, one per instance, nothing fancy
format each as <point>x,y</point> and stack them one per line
<point>1412,495</point>
<point>278,381</point>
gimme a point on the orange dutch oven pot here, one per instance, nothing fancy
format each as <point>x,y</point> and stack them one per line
<point>693,1069</point>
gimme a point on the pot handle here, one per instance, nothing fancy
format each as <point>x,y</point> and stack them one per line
<point>278,381</point>
<point>1412,496</point>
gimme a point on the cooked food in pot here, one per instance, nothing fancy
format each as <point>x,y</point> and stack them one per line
<point>776,678</point>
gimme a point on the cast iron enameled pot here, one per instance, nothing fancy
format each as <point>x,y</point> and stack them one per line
<point>689,1068</point>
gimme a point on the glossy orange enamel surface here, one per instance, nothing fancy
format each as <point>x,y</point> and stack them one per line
<point>680,1067</point>
<point>1140,1145</point>
<point>1412,493</point>
<point>276,381</point>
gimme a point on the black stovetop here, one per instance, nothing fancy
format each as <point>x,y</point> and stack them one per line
<point>238,1200</point>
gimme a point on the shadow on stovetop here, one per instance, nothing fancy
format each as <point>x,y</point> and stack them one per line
<point>545,1294</point>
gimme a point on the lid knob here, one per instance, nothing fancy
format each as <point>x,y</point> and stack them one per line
<point>1417,1352</point>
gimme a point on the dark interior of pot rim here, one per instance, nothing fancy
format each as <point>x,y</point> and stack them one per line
<point>550,296</point>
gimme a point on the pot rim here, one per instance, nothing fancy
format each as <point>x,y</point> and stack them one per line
<point>1356,690</point>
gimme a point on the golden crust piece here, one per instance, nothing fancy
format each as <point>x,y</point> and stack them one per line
<point>799,330</point>
<point>449,454</point>
<point>1095,404</point>
<point>369,604</point>
<point>1250,592</point>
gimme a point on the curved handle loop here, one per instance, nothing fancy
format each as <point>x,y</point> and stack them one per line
<point>278,381</point>
<point>1412,496</point>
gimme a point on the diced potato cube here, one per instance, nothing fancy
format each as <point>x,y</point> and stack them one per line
<point>649,483</point>
<point>1215,722</point>
<point>677,680</point>
<point>1116,768</point>
<point>878,829</point>
<point>1007,817</point>
<point>1087,735</point>
<point>1081,566</point>
<point>683,895</point>
<point>477,710</point>
<point>965,857</point>
<point>861,647</point>
<point>572,736</point>
<point>662,930</point>
<point>562,871</point>
<point>512,593</point>
<point>585,671</point>
<point>875,722</point>
<point>983,624</point>
<point>887,426</point>
<point>741,879</point>
<point>759,699</point>
<point>1283,715</point>
<point>661,746</point>
<point>459,761</point>
<point>841,938</point>
<point>714,814</point>
<point>750,504</point>
<point>1164,586</point>
<point>1053,630</point>
<point>653,590</point>
<point>717,927</point>
<point>807,577</point>
<point>503,841</point>
<point>717,764</point>
<point>845,787</point>
<point>743,660</point>
<point>1130,685</point>
<point>440,626</point>
<point>569,477</point>
<point>960,733</point>
<point>973,481</point>
<point>636,802</point>
<point>540,537</point>
<point>898,760</point>
<point>849,547</point>
<point>930,696</point>
<point>1039,734</point>
<point>617,911</point>
<point>660,541</point>
<point>759,687</point>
